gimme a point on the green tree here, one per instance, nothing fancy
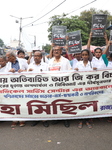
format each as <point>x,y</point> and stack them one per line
<point>73,24</point>
<point>47,48</point>
<point>87,17</point>
<point>82,22</point>
<point>1,43</point>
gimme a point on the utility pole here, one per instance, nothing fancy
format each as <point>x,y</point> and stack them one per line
<point>35,40</point>
<point>20,28</point>
<point>20,31</point>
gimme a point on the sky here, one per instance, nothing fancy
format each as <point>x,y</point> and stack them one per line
<point>9,29</point>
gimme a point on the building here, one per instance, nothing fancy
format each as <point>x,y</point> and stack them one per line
<point>14,43</point>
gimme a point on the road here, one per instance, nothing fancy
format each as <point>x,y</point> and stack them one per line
<point>56,137</point>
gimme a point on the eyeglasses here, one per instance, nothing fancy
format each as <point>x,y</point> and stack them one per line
<point>36,55</point>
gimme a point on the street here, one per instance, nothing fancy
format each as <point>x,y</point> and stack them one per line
<point>56,137</point>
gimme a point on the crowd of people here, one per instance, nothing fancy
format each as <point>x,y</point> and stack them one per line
<point>57,60</point>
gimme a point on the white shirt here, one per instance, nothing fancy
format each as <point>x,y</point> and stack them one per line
<point>62,65</point>
<point>99,62</point>
<point>3,69</point>
<point>22,63</point>
<point>74,63</point>
<point>109,64</point>
<point>81,67</point>
<point>38,68</point>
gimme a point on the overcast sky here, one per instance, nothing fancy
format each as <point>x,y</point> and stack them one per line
<point>9,29</point>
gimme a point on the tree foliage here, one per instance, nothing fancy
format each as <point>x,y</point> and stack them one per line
<point>87,17</point>
<point>46,47</point>
<point>1,43</point>
<point>82,22</point>
<point>73,24</point>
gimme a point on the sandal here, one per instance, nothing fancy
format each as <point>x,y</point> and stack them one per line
<point>88,125</point>
<point>80,125</point>
<point>109,120</point>
<point>14,124</point>
<point>22,124</point>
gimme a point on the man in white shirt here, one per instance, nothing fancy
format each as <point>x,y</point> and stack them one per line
<point>3,63</point>
<point>37,65</point>
<point>31,58</point>
<point>15,64</point>
<point>58,62</point>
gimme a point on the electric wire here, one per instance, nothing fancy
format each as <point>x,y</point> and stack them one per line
<point>45,14</point>
<point>66,14</point>
<point>82,7</point>
<point>44,8</point>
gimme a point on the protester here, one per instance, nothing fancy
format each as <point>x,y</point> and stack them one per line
<point>76,59</point>
<point>59,63</point>
<point>15,64</point>
<point>85,65</point>
<point>109,56</point>
<point>38,66</point>
<point>3,63</point>
<point>99,58</point>
<point>20,54</point>
<point>51,52</point>
<point>110,61</point>
<point>31,59</point>
<point>67,55</point>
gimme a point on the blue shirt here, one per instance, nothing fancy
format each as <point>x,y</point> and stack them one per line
<point>15,65</point>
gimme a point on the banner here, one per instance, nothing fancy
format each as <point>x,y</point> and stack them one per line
<point>56,95</point>
<point>74,42</point>
<point>98,25</point>
<point>59,35</point>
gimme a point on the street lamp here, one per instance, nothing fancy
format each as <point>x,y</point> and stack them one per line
<point>20,28</point>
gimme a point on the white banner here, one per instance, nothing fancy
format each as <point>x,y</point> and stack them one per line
<point>55,95</point>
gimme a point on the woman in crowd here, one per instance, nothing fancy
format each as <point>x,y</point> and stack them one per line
<point>85,65</point>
